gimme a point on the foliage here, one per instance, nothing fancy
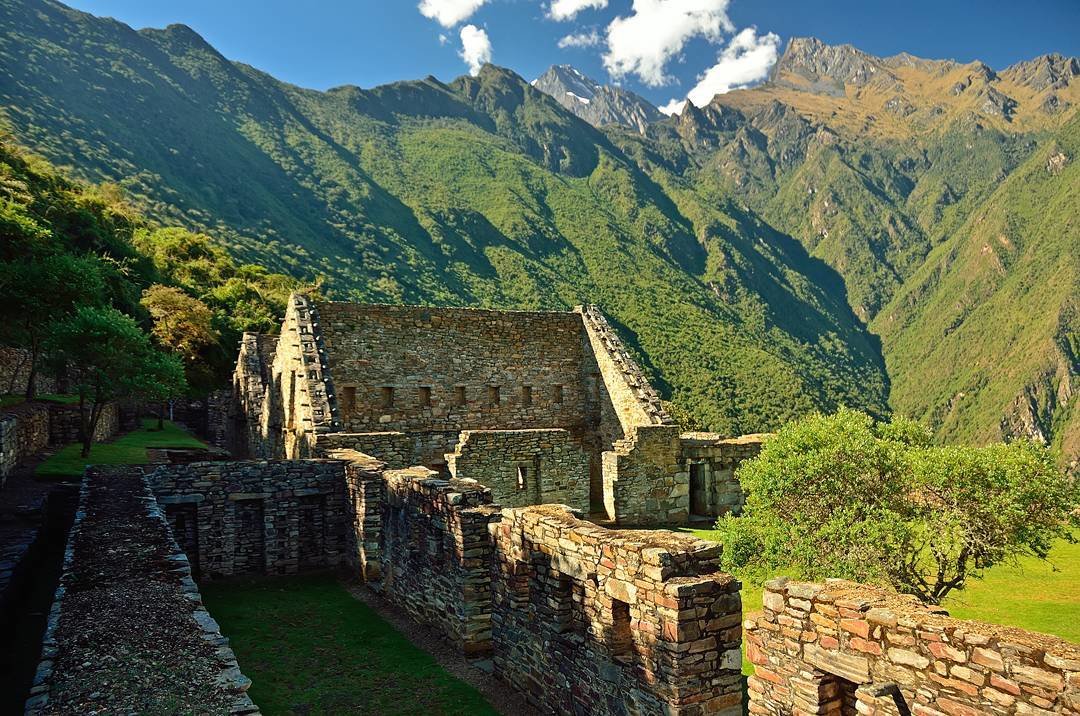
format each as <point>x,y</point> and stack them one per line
<point>67,245</point>
<point>845,496</point>
<point>340,659</point>
<point>108,357</point>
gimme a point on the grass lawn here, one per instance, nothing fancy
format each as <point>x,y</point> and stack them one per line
<point>128,449</point>
<point>309,647</point>
<point>1032,595</point>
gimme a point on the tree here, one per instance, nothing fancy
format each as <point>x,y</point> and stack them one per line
<point>182,324</point>
<point>39,289</point>
<point>845,496</point>
<point>110,357</point>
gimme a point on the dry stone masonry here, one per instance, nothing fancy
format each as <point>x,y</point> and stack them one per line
<point>844,648</point>
<point>127,632</point>
<point>471,392</point>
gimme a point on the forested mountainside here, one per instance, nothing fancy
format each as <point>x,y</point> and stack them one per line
<point>482,192</point>
<point>741,248</point>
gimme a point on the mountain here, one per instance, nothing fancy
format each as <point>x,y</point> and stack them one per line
<point>484,192</point>
<point>993,315</point>
<point>597,104</point>
<point>853,221</point>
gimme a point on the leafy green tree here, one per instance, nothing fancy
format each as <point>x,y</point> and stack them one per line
<point>37,291</point>
<point>109,357</point>
<point>845,496</point>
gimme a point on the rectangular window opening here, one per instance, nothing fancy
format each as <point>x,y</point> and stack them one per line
<point>493,395</point>
<point>522,477</point>
<point>459,395</point>
<point>620,640</point>
<point>348,401</point>
<point>424,396</point>
<point>526,395</point>
<point>387,397</point>
<point>556,394</point>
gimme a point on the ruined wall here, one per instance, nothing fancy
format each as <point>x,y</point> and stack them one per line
<point>435,559</point>
<point>410,369</point>
<point>258,425</point>
<point>590,620</point>
<point>128,632</point>
<point>398,450</point>
<point>711,462</point>
<point>299,405</point>
<point>24,430</point>
<point>842,648</point>
<point>524,467</point>
<point>645,483</point>
<point>268,517</point>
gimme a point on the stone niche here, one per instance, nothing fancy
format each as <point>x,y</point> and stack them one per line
<point>845,648</point>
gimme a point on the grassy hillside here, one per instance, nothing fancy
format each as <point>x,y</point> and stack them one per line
<point>484,192</point>
<point>991,317</point>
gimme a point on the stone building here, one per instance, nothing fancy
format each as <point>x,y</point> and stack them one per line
<point>540,406</point>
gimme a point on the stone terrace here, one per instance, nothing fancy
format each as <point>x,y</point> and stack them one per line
<point>128,632</point>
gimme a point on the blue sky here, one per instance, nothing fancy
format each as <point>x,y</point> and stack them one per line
<point>663,49</point>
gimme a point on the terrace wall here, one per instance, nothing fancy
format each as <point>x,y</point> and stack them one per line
<point>845,648</point>
<point>24,431</point>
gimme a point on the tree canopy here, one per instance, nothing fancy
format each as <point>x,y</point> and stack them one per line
<point>847,496</point>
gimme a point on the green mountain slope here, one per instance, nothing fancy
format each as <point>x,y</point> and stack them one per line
<point>991,319</point>
<point>481,192</point>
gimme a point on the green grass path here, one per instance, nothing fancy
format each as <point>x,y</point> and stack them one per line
<point>309,647</point>
<point>128,449</point>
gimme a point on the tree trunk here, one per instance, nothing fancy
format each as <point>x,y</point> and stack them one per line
<point>161,416</point>
<point>83,432</point>
<point>31,387</point>
<point>88,437</point>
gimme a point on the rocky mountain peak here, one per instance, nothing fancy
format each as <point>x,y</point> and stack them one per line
<point>810,64</point>
<point>595,103</point>
<point>1045,72</point>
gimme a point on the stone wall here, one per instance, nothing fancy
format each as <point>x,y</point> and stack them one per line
<point>258,423</point>
<point>409,369</point>
<point>127,632</point>
<point>844,648</point>
<point>435,559</point>
<point>65,423</point>
<point>397,450</point>
<point>711,462</point>
<point>15,373</point>
<point>590,620</point>
<point>260,517</point>
<point>24,430</point>
<point>524,467</point>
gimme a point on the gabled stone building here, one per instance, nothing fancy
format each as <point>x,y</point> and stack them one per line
<point>539,406</point>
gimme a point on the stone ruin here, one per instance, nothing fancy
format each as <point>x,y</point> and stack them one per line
<point>539,406</point>
<point>480,471</point>
<point>844,648</point>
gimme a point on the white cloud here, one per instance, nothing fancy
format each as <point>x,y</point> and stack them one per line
<point>581,39</point>
<point>568,9</point>
<point>443,39</point>
<point>449,12</point>
<point>746,59</point>
<point>656,30</point>
<point>475,48</point>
